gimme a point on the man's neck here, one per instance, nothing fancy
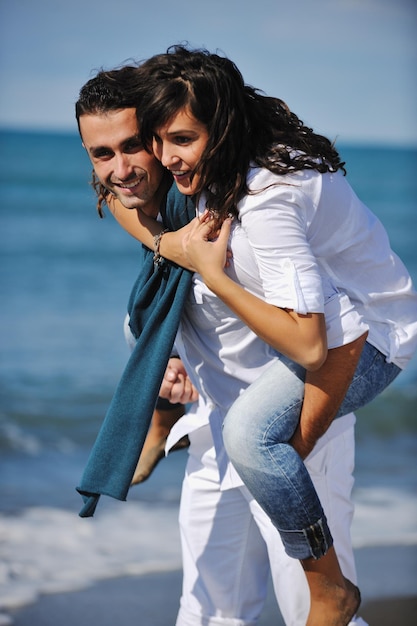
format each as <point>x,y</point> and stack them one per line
<point>153,208</point>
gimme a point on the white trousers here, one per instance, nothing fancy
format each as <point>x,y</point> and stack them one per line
<point>229,544</point>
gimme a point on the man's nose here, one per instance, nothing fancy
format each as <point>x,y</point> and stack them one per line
<point>123,167</point>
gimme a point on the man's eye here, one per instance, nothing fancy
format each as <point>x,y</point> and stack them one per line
<point>134,146</point>
<point>102,154</point>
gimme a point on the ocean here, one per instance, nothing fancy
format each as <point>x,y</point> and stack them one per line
<point>65,277</point>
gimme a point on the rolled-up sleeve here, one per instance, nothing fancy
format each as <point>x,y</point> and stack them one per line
<point>275,221</point>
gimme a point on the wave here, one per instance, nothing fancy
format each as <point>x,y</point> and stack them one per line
<point>50,550</point>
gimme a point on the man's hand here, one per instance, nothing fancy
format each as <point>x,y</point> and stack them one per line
<point>176,386</point>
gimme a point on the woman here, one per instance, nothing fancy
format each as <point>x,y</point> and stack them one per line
<point>303,245</point>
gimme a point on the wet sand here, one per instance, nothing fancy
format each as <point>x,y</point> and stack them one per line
<point>388,581</point>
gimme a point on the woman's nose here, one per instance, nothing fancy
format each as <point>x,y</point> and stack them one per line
<point>165,153</point>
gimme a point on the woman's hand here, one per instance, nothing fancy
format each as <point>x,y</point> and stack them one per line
<point>205,248</point>
<point>171,246</point>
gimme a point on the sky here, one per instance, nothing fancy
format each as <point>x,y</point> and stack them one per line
<point>347,68</point>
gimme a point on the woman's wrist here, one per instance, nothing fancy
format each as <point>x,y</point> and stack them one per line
<point>217,281</point>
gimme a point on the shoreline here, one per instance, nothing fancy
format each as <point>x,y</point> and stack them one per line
<point>387,578</point>
<point>120,601</point>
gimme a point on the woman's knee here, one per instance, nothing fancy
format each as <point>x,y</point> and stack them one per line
<point>237,433</point>
<point>247,434</point>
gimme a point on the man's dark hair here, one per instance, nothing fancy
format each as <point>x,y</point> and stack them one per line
<point>108,91</point>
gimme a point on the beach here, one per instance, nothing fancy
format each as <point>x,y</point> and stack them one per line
<point>387,598</point>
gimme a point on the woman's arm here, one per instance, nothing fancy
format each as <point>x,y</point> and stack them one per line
<point>300,337</point>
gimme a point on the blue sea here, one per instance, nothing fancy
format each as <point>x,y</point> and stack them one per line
<point>65,277</point>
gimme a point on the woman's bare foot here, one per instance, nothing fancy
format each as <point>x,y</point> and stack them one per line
<point>176,390</point>
<point>154,447</point>
<point>150,457</point>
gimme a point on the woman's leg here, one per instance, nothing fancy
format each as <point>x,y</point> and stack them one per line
<point>330,467</point>
<point>277,478</point>
<point>279,481</point>
<point>334,598</point>
<point>257,429</point>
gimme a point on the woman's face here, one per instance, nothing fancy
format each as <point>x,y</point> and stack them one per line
<point>179,146</point>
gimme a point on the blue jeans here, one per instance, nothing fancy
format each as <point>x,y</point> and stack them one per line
<point>256,431</point>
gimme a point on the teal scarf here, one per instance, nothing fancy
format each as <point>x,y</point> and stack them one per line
<point>155,306</point>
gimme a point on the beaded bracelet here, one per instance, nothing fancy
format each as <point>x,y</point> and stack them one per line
<point>157,258</point>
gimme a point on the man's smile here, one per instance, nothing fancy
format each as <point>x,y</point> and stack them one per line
<point>129,185</point>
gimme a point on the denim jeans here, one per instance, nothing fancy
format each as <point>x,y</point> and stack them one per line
<point>256,431</point>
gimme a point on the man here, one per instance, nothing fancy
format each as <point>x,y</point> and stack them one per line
<point>138,180</point>
<point>228,542</point>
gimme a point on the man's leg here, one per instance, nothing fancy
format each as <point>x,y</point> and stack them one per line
<point>224,556</point>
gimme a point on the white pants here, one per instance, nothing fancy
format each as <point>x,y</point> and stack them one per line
<point>229,544</point>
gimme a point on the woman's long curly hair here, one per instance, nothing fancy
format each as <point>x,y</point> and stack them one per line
<point>244,126</point>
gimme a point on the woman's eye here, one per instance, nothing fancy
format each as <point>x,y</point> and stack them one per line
<point>183,140</point>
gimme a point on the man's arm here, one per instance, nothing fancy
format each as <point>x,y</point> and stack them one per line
<point>324,392</point>
<point>144,228</point>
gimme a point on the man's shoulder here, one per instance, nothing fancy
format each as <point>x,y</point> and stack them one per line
<point>175,197</point>
<point>178,209</point>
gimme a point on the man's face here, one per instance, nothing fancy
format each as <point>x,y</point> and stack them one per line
<point>120,162</point>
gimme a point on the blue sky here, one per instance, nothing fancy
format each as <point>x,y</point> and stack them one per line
<point>346,67</point>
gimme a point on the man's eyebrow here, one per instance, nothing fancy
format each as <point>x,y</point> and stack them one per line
<point>123,144</point>
<point>131,139</point>
<point>98,148</point>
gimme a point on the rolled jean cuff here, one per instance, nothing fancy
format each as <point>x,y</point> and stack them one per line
<point>312,542</point>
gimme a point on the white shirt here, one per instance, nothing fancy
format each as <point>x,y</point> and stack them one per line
<point>307,228</point>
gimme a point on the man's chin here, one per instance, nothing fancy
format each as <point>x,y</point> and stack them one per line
<point>130,202</point>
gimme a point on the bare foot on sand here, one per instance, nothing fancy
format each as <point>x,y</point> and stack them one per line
<point>154,447</point>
